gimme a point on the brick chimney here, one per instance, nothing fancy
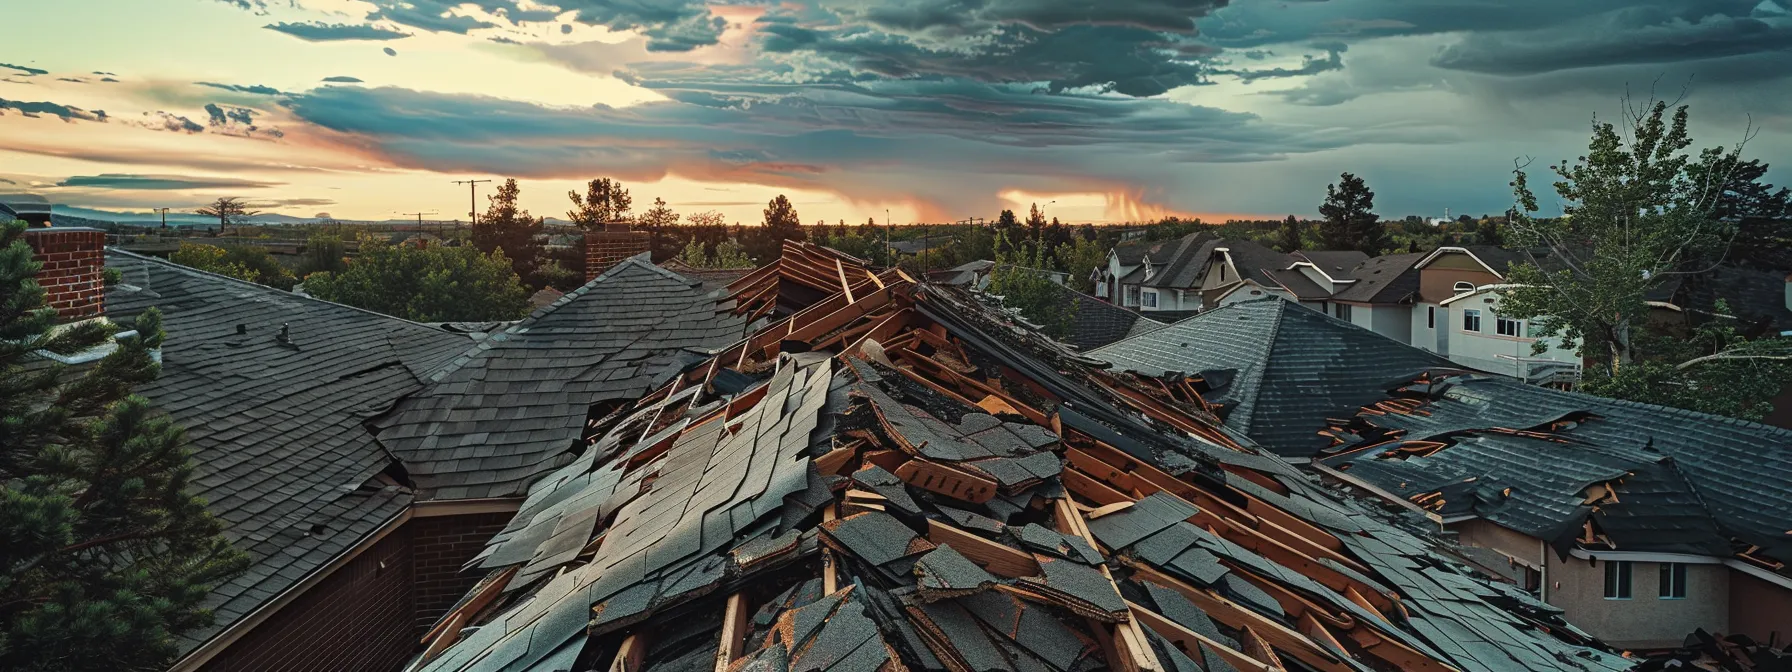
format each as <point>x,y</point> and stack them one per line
<point>73,261</point>
<point>610,246</point>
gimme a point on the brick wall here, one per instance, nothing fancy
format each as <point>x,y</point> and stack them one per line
<point>604,249</point>
<point>73,261</point>
<point>359,618</point>
<point>442,545</point>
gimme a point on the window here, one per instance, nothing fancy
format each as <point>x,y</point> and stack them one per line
<point>1506,327</point>
<point>1150,299</point>
<point>1430,317</point>
<point>1464,287</point>
<point>1471,320</point>
<point>1531,330</point>
<point>1533,580</point>
<point>1222,272</point>
<point>1617,579</point>
<point>1341,311</point>
<point>1673,581</point>
<point>1132,296</point>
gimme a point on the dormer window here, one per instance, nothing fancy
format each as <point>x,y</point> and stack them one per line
<point>1464,287</point>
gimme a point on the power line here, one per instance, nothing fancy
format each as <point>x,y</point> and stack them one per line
<point>472,198</point>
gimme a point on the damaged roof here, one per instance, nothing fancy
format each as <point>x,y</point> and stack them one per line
<point>895,477</point>
<point>1576,469</point>
<point>1276,369</point>
<point>272,389</point>
<point>1389,278</point>
<point>513,406</point>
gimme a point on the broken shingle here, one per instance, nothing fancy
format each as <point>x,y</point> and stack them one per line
<point>945,573</point>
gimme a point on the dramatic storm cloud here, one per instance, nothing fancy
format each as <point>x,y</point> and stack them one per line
<point>944,108</point>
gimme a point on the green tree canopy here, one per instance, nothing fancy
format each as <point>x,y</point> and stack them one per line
<point>605,201</point>
<point>106,558</point>
<point>429,283</point>
<point>1289,236</point>
<point>1017,278</point>
<point>781,224</point>
<point>1349,223</point>
<point>243,262</point>
<point>509,228</point>
<point>1078,259</point>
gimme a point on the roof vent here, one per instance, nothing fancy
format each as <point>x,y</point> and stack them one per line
<point>242,329</point>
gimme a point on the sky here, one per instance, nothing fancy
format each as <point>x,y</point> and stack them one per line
<point>915,110</point>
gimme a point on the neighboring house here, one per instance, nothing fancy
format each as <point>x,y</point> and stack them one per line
<point>1642,523</point>
<point>1240,270</point>
<point>1132,264</point>
<point>909,248</point>
<point>1456,314</point>
<point>1278,369</point>
<point>1379,295</point>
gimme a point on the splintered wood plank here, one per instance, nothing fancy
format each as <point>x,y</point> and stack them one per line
<point>995,558</point>
<point>1258,647</point>
<point>1237,617</point>
<point>1131,644</point>
<point>629,656</point>
<point>841,268</point>
<point>836,460</point>
<point>1316,630</point>
<point>1189,641</point>
<point>830,567</point>
<point>488,591</point>
<point>947,480</point>
<point>734,631</point>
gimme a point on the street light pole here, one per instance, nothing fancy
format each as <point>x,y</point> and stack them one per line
<point>889,255</point>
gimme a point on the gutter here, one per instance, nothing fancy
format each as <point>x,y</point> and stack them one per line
<point>465,507</point>
<point>243,626</point>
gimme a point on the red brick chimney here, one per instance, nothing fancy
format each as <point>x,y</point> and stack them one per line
<point>73,261</point>
<point>610,246</point>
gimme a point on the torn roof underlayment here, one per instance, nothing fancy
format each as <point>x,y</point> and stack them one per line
<point>1576,470</point>
<point>884,475</point>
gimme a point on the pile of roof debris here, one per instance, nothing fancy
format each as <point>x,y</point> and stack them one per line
<point>887,475</point>
<point>1735,653</point>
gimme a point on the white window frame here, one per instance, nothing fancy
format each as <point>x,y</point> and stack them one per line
<point>1473,314</point>
<point>1619,579</point>
<point>1500,326</point>
<point>1148,299</point>
<point>1131,292</point>
<point>1463,287</point>
<point>1341,311</point>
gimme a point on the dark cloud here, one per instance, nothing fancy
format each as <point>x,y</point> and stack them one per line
<point>343,79</point>
<point>1310,65</point>
<point>427,15</point>
<point>159,182</point>
<point>29,71</point>
<point>65,112</point>
<point>565,29</point>
<point>332,32</point>
<point>108,74</point>
<point>503,40</point>
<point>108,79</point>
<point>173,122</point>
<point>255,89</point>
<point>1639,35</point>
<point>233,118</point>
<point>876,140</point>
<point>390,51</point>
<point>71,79</point>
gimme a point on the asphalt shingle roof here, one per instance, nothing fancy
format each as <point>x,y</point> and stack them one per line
<point>1097,322</point>
<point>1335,263</point>
<point>1389,278</point>
<point>279,450</point>
<point>514,406</point>
<point>1682,472</point>
<point>1294,366</point>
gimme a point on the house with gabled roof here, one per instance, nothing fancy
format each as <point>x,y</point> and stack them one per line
<point>359,459</point>
<point>1455,313</point>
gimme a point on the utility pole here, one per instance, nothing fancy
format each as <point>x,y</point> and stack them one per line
<point>472,198</point>
<point>164,212</point>
<point>889,255</point>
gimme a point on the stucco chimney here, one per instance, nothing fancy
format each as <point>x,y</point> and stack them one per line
<point>610,246</point>
<point>73,274</point>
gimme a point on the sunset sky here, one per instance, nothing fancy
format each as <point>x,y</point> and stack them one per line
<point>932,109</point>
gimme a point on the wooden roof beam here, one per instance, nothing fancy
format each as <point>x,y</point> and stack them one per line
<point>1234,616</point>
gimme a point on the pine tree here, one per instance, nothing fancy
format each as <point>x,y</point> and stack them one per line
<point>508,228</point>
<point>104,557</point>
<point>1290,239</point>
<point>658,221</point>
<point>1349,224</point>
<point>781,224</point>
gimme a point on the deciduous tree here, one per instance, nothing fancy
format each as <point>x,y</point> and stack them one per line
<point>428,283</point>
<point>230,211</point>
<point>106,557</point>
<point>605,201</point>
<point>1017,278</point>
<point>243,262</point>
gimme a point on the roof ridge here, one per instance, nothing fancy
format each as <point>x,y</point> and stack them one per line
<point>265,288</point>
